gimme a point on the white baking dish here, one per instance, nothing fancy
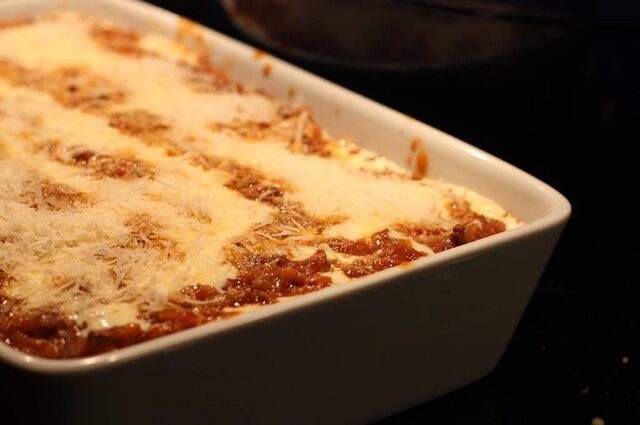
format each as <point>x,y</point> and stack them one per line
<point>347,354</point>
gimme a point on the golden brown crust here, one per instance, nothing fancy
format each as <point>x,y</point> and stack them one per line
<point>145,233</point>
<point>118,40</point>
<point>53,197</point>
<point>71,87</point>
<point>100,165</point>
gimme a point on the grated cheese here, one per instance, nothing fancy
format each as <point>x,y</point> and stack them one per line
<point>101,248</point>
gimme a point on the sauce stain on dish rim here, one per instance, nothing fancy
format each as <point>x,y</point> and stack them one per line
<point>418,159</point>
<point>190,35</point>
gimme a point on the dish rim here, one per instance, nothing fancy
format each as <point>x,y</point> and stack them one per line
<point>558,212</point>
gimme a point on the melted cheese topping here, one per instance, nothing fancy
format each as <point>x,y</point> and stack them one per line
<point>103,218</point>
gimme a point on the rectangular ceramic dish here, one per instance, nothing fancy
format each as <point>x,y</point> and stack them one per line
<point>347,354</point>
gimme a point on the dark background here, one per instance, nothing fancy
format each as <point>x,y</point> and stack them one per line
<point>565,112</point>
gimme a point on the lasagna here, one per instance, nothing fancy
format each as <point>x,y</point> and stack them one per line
<point>143,192</point>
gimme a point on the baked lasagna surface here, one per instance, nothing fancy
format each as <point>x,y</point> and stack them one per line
<point>143,192</point>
